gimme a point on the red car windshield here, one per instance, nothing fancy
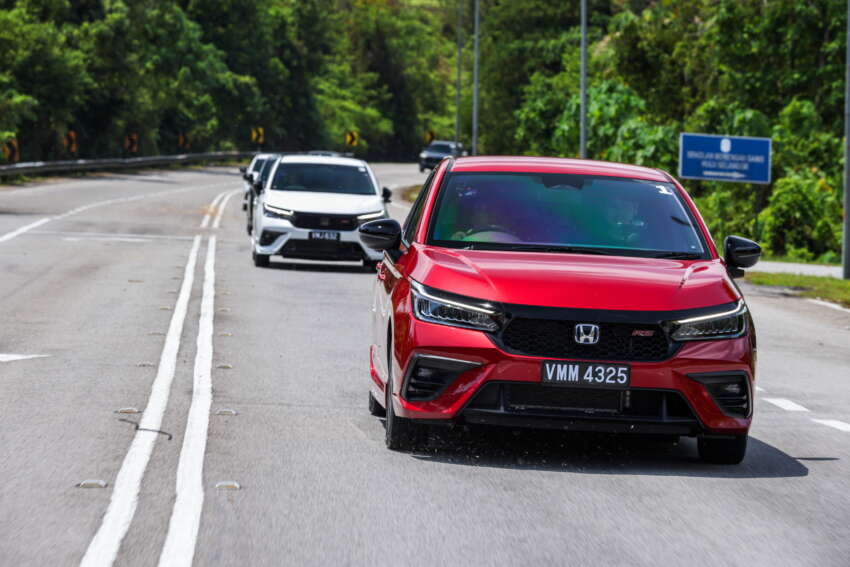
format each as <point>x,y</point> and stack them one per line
<point>564,212</point>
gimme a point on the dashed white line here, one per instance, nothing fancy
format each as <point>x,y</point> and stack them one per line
<point>759,389</point>
<point>125,492</point>
<point>839,425</point>
<point>785,404</point>
<point>179,547</point>
<point>14,357</point>
<point>23,229</point>
<point>221,207</point>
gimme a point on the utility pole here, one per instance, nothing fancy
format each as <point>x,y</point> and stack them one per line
<point>845,253</point>
<point>583,105</point>
<point>459,60</point>
<point>475,83</point>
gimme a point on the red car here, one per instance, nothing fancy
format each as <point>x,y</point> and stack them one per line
<point>559,293</point>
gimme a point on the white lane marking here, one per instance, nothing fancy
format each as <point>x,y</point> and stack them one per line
<point>17,232</point>
<point>829,304</point>
<point>125,492</point>
<point>179,547</point>
<point>23,229</point>
<point>105,239</point>
<point>81,235</point>
<point>211,209</point>
<point>221,207</point>
<point>14,357</point>
<point>839,425</point>
<point>759,389</point>
<point>402,207</point>
<point>785,404</point>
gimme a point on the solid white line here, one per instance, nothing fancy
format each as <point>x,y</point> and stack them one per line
<point>759,389</point>
<point>211,209</point>
<point>839,425</point>
<point>221,207</point>
<point>179,547</point>
<point>23,229</point>
<point>785,404</point>
<point>829,304</point>
<point>125,492</point>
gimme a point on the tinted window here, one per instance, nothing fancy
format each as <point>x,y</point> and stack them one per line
<point>323,178</point>
<point>258,164</point>
<point>415,213</point>
<point>440,148</point>
<point>586,213</point>
<point>267,169</point>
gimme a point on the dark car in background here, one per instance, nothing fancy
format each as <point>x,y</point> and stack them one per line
<point>436,151</point>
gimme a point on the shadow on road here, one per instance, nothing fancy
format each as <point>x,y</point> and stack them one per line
<point>597,454</point>
<point>320,267</point>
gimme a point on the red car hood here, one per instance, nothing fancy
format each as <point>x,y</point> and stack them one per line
<point>576,280</point>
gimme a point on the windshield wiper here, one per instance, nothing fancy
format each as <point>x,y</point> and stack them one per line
<point>678,255</point>
<point>564,249</point>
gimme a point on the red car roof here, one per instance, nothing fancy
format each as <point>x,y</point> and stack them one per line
<point>556,165</point>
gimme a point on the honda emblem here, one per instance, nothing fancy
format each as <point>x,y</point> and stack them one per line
<point>587,334</point>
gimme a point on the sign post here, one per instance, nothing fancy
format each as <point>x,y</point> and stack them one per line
<point>724,158</point>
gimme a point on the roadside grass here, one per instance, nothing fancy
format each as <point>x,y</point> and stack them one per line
<point>828,289</point>
<point>794,260</point>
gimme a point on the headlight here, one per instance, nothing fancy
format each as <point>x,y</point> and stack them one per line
<point>423,155</point>
<point>276,212</point>
<point>371,216</point>
<point>726,325</point>
<point>430,307</point>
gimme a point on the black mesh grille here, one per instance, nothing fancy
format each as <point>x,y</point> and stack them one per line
<point>322,249</point>
<point>531,398</point>
<point>324,222</point>
<point>617,341</point>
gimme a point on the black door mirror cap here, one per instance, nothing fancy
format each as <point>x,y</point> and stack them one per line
<point>243,169</point>
<point>740,253</point>
<point>258,186</point>
<point>387,195</point>
<point>381,234</point>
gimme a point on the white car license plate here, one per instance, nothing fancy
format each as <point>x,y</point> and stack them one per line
<point>586,375</point>
<point>324,235</point>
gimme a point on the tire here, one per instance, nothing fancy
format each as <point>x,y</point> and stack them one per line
<point>421,169</point>
<point>401,434</point>
<point>260,260</point>
<point>723,451</point>
<point>375,408</point>
<point>370,265</point>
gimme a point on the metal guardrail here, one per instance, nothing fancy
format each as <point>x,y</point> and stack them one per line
<point>74,165</point>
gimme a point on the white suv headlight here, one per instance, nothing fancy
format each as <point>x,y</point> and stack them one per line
<point>432,308</point>
<point>277,212</point>
<point>371,216</point>
<point>727,325</point>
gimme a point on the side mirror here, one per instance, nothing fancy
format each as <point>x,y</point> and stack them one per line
<point>740,253</point>
<point>243,169</point>
<point>381,234</point>
<point>387,195</point>
<point>258,186</point>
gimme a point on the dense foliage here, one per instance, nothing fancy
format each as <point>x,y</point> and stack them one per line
<point>207,71</point>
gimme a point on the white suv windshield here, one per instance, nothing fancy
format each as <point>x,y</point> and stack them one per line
<point>323,178</point>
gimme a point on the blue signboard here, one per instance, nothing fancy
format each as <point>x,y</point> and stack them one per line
<point>724,158</point>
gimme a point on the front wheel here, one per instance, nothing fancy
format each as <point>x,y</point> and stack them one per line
<point>260,260</point>
<point>722,451</point>
<point>375,408</point>
<point>370,265</point>
<point>401,434</point>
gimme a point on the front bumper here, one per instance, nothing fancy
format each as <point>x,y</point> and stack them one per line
<point>665,397</point>
<point>280,237</point>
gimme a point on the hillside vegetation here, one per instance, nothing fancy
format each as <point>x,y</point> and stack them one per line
<point>196,75</point>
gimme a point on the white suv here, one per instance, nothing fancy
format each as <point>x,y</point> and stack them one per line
<point>311,206</point>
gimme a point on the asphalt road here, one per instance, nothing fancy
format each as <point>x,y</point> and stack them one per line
<point>259,377</point>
